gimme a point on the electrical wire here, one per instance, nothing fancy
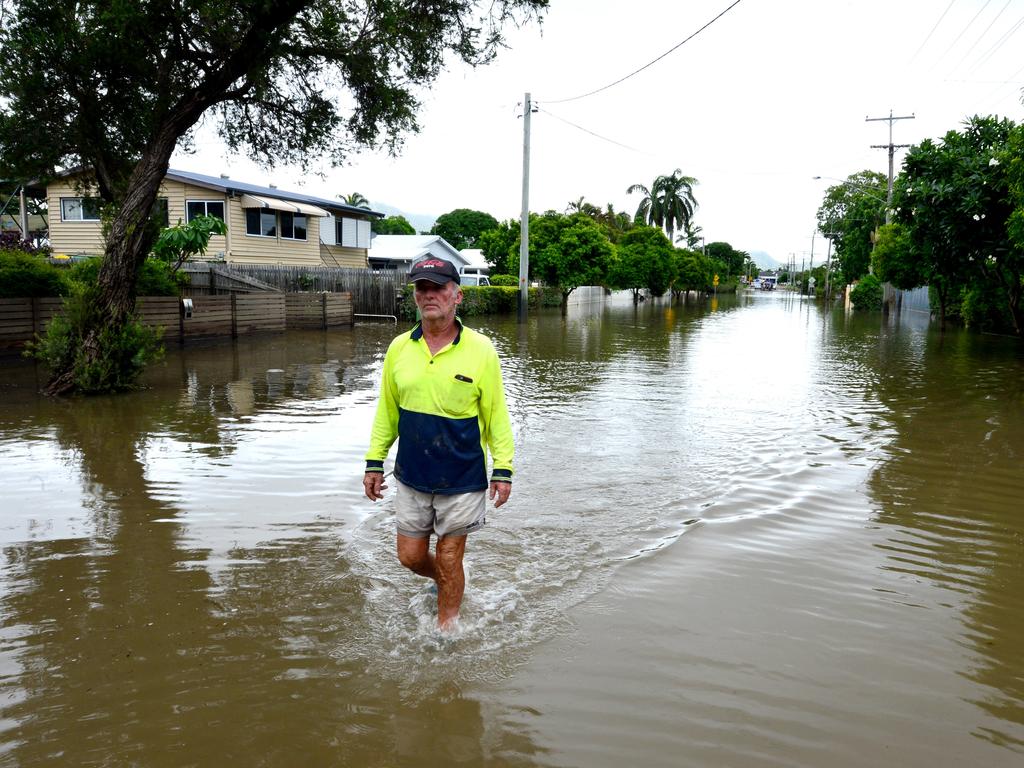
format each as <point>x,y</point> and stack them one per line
<point>650,63</point>
<point>929,37</point>
<point>964,30</point>
<point>998,44</point>
<point>596,135</point>
<point>982,35</point>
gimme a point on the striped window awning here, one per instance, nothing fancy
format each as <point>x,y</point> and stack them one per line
<point>275,204</point>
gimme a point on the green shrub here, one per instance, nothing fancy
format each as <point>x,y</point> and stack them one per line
<point>505,280</point>
<point>26,276</point>
<point>124,351</point>
<point>156,278</point>
<point>486,300</point>
<point>867,294</point>
<point>984,308</point>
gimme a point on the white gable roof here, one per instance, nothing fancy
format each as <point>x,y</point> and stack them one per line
<point>409,248</point>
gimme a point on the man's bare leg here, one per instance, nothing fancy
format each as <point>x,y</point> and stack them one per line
<point>415,555</point>
<point>451,580</point>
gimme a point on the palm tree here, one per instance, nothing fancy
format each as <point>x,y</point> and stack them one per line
<point>356,200</point>
<point>691,235</point>
<point>669,203</point>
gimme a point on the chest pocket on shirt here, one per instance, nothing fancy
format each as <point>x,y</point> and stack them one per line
<point>461,396</point>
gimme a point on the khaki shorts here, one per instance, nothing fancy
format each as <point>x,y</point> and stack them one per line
<point>420,514</point>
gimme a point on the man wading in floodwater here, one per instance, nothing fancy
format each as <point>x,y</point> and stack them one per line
<point>442,397</point>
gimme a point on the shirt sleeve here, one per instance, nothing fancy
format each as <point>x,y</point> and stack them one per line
<point>385,422</point>
<point>497,424</point>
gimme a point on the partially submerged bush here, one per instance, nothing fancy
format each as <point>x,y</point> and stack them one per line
<point>867,294</point>
<point>124,352</point>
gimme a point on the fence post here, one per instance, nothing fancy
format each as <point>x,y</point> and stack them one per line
<point>234,317</point>
<point>323,311</point>
<point>36,329</point>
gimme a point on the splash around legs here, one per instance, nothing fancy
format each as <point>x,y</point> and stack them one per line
<point>444,567</point>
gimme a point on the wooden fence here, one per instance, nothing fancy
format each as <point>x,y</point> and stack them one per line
<point>373,292</point>
<point>209,316</point>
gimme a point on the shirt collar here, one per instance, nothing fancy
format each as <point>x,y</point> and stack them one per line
<point>417,332</point>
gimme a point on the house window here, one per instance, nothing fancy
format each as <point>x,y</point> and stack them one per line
<point>261,223</point>
<point>194,208</point>
<point>293,226</point>
<point>353,233</point>
<point>80,208</point>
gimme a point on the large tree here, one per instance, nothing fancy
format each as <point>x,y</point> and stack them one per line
<point>733,260</point>
<point>668,203</point>
<point>392,225</point>
<point>568,251</point>
<point>958,200</point>
<point>463,226</point>
<point>646,259</point>
<point>115,87</point>
<point>850,213</point>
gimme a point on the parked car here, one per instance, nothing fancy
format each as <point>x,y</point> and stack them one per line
<point>474,280</point>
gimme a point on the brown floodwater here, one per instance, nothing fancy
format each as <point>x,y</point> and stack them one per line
<point>754,532</point>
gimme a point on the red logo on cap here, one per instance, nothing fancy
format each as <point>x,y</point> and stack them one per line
<point>430,263</point>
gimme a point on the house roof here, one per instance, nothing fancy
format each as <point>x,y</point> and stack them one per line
<point>36,188</point>
<point>409,248</point>
<point>225,184</point>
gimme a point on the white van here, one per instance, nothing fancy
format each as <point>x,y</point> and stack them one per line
<point>474,275</point>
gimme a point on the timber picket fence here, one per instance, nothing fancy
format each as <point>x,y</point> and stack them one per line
<point>374,292</point>
<point>210,316</point>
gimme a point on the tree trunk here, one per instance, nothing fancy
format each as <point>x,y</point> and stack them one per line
<point>128,243</point>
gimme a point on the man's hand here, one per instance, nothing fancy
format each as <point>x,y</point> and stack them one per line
<point>374,487</point>
<point>500,492</point>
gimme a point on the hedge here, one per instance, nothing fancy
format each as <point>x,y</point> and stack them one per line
<point>487,300</point>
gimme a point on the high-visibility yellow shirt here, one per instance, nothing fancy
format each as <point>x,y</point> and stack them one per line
<point>446,411</point>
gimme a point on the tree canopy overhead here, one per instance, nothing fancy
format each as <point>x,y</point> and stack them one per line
<point>115,87</point>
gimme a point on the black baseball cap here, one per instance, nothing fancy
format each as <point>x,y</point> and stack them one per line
<point>435,270</point>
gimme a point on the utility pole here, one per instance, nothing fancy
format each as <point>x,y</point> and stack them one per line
<point>524,220</point>
<point>892,151</point>
<point>828,265</point>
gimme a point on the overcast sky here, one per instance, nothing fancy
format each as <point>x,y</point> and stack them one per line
<point>772,94</point>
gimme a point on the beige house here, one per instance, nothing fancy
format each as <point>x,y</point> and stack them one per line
<point>266,225</point>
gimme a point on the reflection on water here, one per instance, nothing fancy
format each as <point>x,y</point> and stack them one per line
<point>747,532</point>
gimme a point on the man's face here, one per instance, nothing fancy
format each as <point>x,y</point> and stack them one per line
<point>437,302</point>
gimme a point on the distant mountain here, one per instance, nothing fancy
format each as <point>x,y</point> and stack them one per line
<point>421,222</point>
<point>763,260</point>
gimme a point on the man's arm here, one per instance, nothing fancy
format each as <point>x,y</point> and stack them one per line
<point>498,427</point>
<point>383,433</point>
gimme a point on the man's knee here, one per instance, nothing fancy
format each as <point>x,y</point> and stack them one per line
<point>414,555</point>
<point>449,553</point>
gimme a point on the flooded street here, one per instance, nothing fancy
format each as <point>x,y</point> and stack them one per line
<point>750,533</point>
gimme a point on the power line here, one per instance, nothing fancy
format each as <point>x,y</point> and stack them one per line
<point>929,37</point>
<point>998,44</point>
<point>596,135</point>
<point>964,30</point>
<point>982,35</point>
<point>650,63</point>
